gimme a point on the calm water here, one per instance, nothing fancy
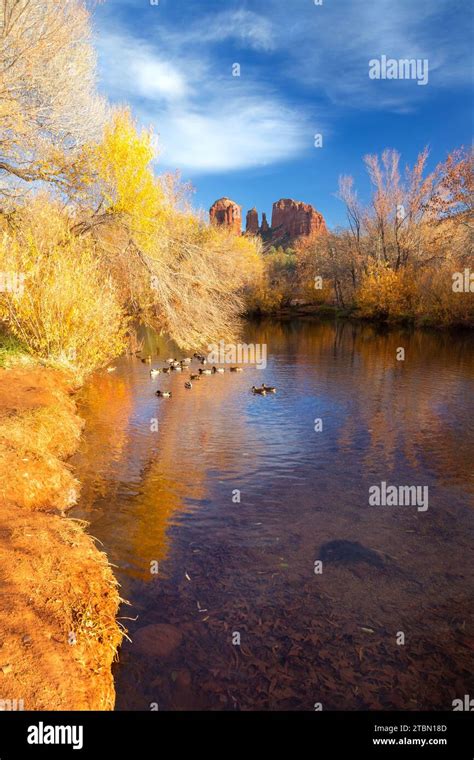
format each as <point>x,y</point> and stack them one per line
<point>230,570</point>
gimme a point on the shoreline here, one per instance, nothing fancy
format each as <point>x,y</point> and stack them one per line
<point>59,598</point>
<point>350,314</point>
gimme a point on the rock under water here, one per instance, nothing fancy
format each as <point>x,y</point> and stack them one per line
<point>349,552</point>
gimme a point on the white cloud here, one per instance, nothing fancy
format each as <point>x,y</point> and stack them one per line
<point>243,133</point>
<point>154,78</point>
<point>130,68</point>
<point>205,122</point>
<point>249,28</point>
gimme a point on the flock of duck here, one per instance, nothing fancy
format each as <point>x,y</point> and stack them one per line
<point>183,365</point>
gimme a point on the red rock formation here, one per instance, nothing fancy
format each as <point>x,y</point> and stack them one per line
<point>292,219</point>
<point>252,222</point>
<point>265,226</point>
<point>226,213</point>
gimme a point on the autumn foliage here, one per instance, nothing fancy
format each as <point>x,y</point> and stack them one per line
<point>397,257</point>
<point>99,239</point>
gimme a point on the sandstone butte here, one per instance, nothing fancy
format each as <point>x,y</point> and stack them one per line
<point>290,220</point>
<point>226,213</point>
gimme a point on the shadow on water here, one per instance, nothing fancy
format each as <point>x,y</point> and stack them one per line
<point>235,497</point>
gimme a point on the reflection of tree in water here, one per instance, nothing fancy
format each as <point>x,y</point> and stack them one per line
<point>170,475</point>
<point>106,403</point>
<point>409,406</point>
<point>413,406</point>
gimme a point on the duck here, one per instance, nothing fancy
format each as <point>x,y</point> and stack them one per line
<point>146,360</point>
<point>205,372</point>
<point>194,377</point>
<point>188,385</point>
<point>164,394</point>
<point>170,361</point>
<point>176,368</point>
<point>111,369</point>
<point>187,360</point>
<point>155,372</point>
<point>236,369</point>
<point>203,360</point>
<point>221,370</point>
<point>259,391</point>
<point>269,388</point>
<point>166,370</point>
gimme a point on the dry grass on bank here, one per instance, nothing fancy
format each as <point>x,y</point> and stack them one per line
<point>58,596</point>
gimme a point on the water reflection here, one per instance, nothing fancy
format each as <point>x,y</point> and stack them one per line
<point>248,567</point>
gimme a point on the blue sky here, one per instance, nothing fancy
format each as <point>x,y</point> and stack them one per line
<point>304,69</point>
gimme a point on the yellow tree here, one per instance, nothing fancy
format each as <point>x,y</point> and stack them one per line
<point>174,271</point>
<point>48,101</point>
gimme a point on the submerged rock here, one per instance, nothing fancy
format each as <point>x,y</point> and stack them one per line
<point>157,640</point>
<point>349,552</point>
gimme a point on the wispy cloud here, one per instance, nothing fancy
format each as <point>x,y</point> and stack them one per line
<point>205,119</point>
<point>131,69</point>
<point>243,133</point>
<point>328,47</point>
<point>176,71</point>
<point>246,27</point>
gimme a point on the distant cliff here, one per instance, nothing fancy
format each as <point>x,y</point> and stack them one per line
<point>226,213</point>
<point>290,220</point>
<point>293,219</point>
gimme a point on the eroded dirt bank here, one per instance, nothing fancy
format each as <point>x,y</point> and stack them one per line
<point>58,595</point>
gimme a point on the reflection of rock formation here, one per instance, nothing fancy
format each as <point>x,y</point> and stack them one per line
<point>226,213</point>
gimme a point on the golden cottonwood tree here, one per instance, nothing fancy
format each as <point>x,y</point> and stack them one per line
<point>174,271</point>
<point>48,100</point>
<point>124,244</point>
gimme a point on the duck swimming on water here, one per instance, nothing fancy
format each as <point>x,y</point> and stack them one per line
<point>259,391</point>
<point>164,394</point>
